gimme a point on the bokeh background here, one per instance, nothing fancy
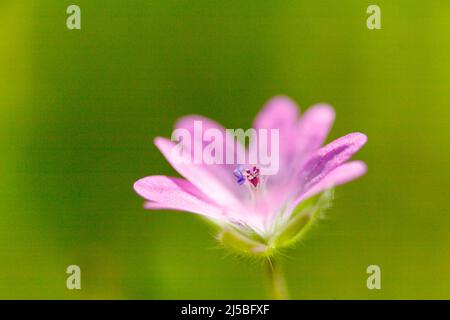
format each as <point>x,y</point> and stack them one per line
<point>79,110</point>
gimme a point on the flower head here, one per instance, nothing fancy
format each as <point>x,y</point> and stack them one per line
<point>257,213</point>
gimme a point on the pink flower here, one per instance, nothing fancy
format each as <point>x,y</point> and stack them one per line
<point>255,212</point>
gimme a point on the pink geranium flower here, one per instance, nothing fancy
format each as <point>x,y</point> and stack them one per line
<point>259,215</point>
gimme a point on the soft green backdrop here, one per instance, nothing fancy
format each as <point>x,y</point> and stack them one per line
<point>79,110</point>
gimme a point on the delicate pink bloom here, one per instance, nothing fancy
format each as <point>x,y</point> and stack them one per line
<point>238,197</point>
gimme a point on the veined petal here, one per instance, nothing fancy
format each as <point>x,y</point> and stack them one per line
<point>312,130</point>
<point>176,194</point>
<point>342,174</point>
<point>330,157</point>
<point>198,175</point>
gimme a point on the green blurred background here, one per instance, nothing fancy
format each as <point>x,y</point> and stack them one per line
<point>79,110</point>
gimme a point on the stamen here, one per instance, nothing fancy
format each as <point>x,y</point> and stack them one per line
<point>253,176</point>
<point>252,179</point>
<point>239,174</point>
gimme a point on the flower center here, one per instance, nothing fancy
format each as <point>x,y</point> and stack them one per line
<point>252,179</point>
<point>251,175</point>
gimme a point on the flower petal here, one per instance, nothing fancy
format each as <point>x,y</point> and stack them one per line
<point>198,175</point>
<point>312,130</point>
<point>175,194</point>
<point>230,147</point>
<point>282,114</point>
<point>342,174</point>
<point>279,113</point>
<point>330,157</point>
<point>314,126</point>
<point>188,123</point>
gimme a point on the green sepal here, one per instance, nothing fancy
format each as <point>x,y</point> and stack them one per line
<point>247,243</point>
<point>242,244</point>
<point>302,218</point>
<point>292,231</point>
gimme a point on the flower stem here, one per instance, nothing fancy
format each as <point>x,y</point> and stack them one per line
<point>276,282</point>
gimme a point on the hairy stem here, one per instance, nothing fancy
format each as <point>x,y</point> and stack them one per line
<point>276,282</point>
